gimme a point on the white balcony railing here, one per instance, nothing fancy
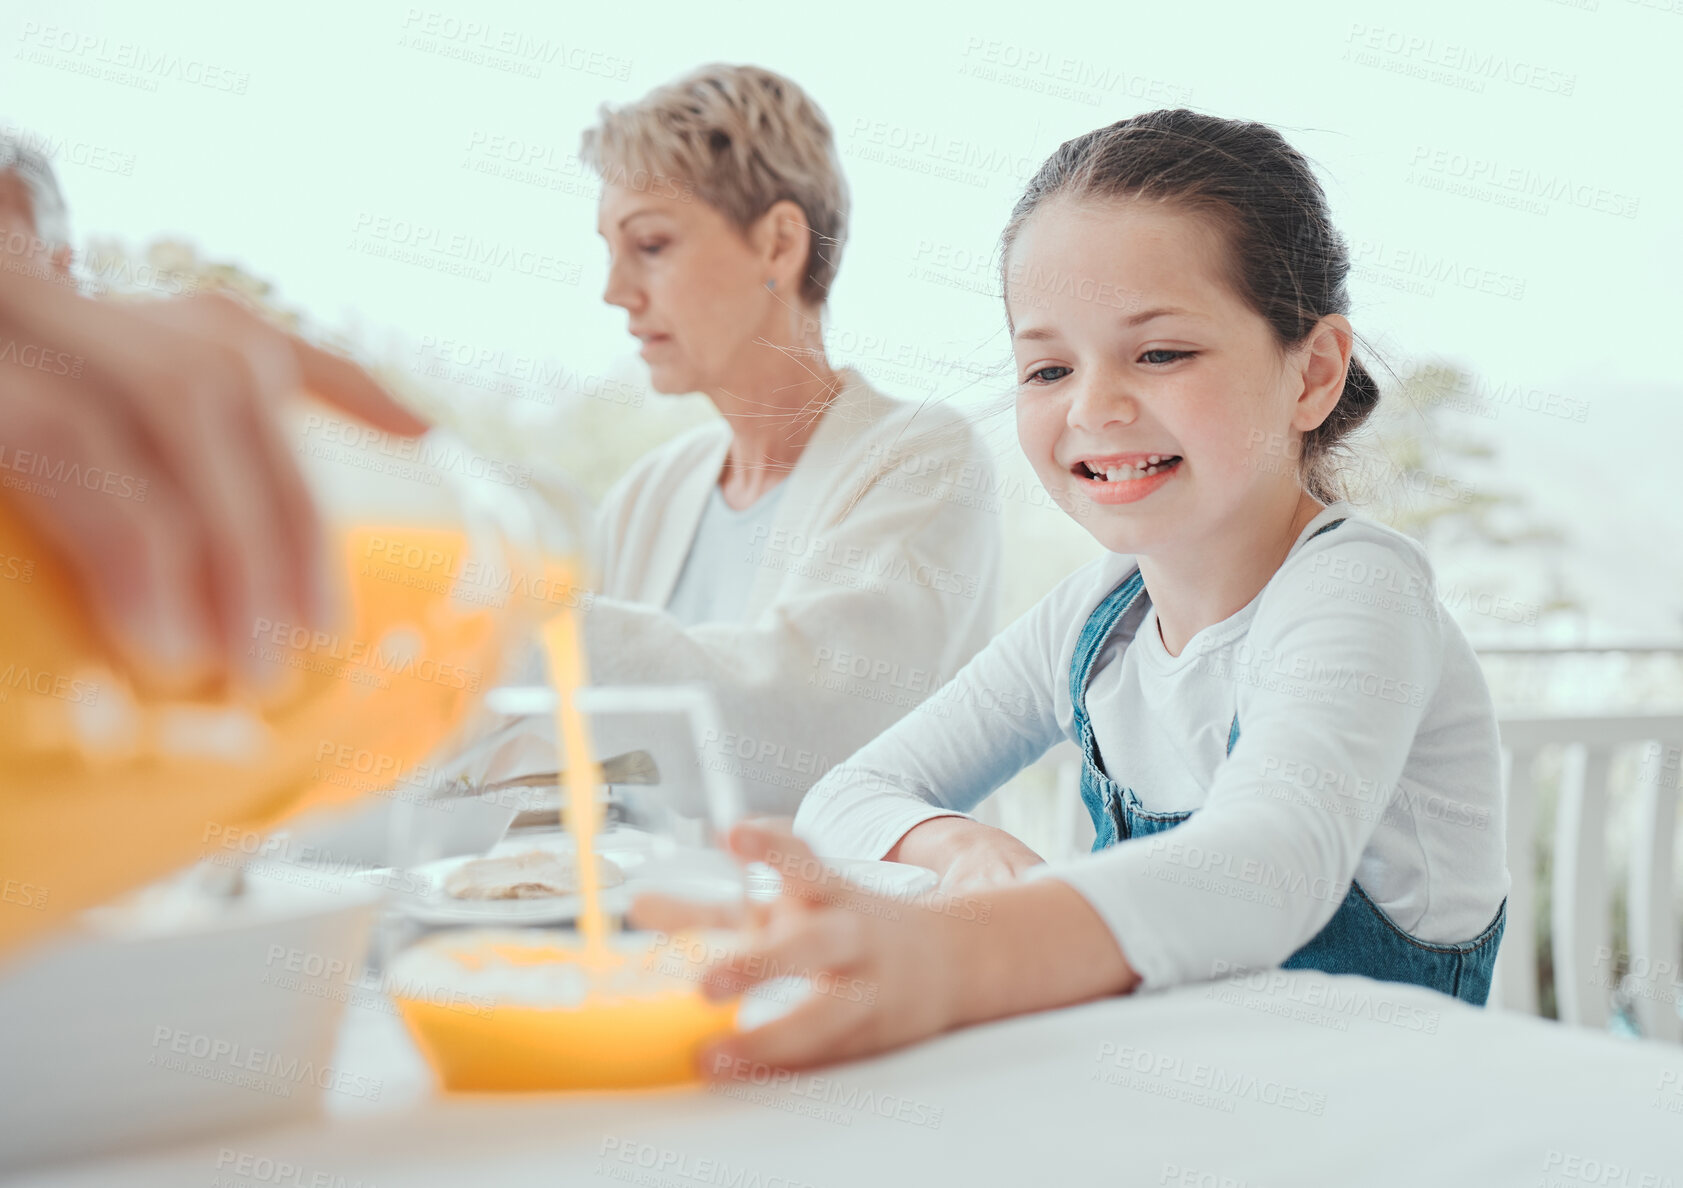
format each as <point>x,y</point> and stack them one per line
<point>1580,924</point>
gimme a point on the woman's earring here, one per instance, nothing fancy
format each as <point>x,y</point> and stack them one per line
<point>772,283</point>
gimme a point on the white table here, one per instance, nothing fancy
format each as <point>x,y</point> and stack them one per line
<point>1219,1086</point>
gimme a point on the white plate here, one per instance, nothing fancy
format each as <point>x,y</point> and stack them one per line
<point>896,880</point>
<point>419,892</point>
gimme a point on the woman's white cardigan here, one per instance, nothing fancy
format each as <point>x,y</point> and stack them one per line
<point>876,582</point>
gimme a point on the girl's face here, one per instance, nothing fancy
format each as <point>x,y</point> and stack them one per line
<point>692,283</point>
<point>1153,403</point>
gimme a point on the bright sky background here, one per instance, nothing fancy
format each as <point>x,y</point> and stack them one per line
<point>356,112</point>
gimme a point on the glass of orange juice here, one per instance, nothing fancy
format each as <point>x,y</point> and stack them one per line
<point>497,1006</point>
<point>504,1010</point>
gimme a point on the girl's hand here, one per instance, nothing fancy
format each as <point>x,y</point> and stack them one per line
<point>966,854</point>
<point>884,972</point>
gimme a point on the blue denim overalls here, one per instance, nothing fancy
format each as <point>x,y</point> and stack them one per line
<point>1360,938</point>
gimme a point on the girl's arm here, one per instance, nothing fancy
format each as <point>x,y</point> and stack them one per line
<point>1244,883</point>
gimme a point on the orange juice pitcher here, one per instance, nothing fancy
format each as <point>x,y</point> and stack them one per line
<point>448,561</point>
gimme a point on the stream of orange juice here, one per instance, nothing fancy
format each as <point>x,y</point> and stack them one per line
<point>634,1035</point>
<point>563,640</point>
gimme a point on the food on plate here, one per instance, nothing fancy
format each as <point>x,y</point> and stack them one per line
<point>535,874</point>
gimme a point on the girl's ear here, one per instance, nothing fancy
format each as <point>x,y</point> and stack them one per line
<point>784,238</point>
<point>1323,360</point>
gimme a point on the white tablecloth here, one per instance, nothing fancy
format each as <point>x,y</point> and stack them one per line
<point>1218,1086</point>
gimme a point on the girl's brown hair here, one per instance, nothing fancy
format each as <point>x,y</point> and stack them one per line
<point>1284,259</point>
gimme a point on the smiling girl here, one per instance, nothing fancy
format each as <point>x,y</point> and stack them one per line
<point>1288,753</point>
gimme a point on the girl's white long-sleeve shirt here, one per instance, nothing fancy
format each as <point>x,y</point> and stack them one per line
<point>1367,750</point>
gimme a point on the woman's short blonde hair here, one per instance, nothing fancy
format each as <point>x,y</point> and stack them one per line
<point>739,138</point>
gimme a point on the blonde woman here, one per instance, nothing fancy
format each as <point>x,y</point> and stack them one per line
<point>817,556</point>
